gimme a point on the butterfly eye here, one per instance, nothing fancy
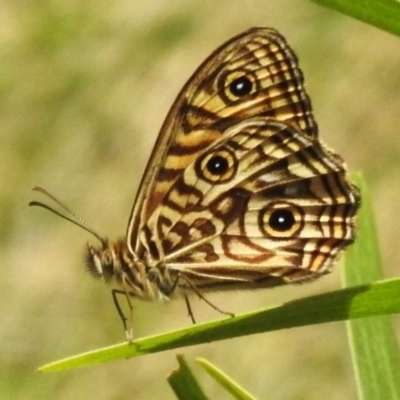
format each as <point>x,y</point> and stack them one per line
<point>237,84</point>
<point>281,220</point>
<point>217,167</point>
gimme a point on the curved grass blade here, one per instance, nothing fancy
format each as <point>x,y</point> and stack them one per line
<point>224,380</point>
<point>384,14</point>
<point>184,384</point>
<point>373,344</point>
<point>379,298</point>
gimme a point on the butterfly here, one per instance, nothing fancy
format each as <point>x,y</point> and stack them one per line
<point>239,192</point>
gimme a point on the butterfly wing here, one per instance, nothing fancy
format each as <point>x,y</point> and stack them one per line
<point>264,200</point>
<point>254,74</point>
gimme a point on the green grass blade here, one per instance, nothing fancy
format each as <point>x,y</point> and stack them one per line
<point>379,298</point>
<point>230,385</point>
<point>362,259</point>
<point>184,384</point>
<point>375,351</point>
<point>384,14</point>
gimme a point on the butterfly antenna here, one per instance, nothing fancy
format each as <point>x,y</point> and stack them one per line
<point>75,220</point>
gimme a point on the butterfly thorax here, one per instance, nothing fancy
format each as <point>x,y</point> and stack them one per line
<point>115,263</point>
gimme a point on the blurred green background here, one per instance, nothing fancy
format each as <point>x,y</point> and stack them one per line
<point>84,88</point>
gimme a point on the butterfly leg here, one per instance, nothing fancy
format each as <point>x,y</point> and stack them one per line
<point>189,309</point>
<point>125,321</point>
<point>168,290</point>
<point>203,298</point>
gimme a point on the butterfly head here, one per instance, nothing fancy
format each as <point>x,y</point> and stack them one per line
<point>108,261</point>
<point>101,261</point>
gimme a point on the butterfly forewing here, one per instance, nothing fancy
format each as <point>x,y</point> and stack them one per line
<point>254,74</point>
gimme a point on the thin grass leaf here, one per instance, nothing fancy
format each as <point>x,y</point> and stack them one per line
<point>379,298</point>
<point>224,380</point>
<point>384,14</point>
<point>184,384</point>
<point>373,344</point>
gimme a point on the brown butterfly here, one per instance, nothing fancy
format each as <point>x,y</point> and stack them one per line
<point>239,192</point>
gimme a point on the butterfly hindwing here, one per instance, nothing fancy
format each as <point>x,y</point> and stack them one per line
<point>224,211</point>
